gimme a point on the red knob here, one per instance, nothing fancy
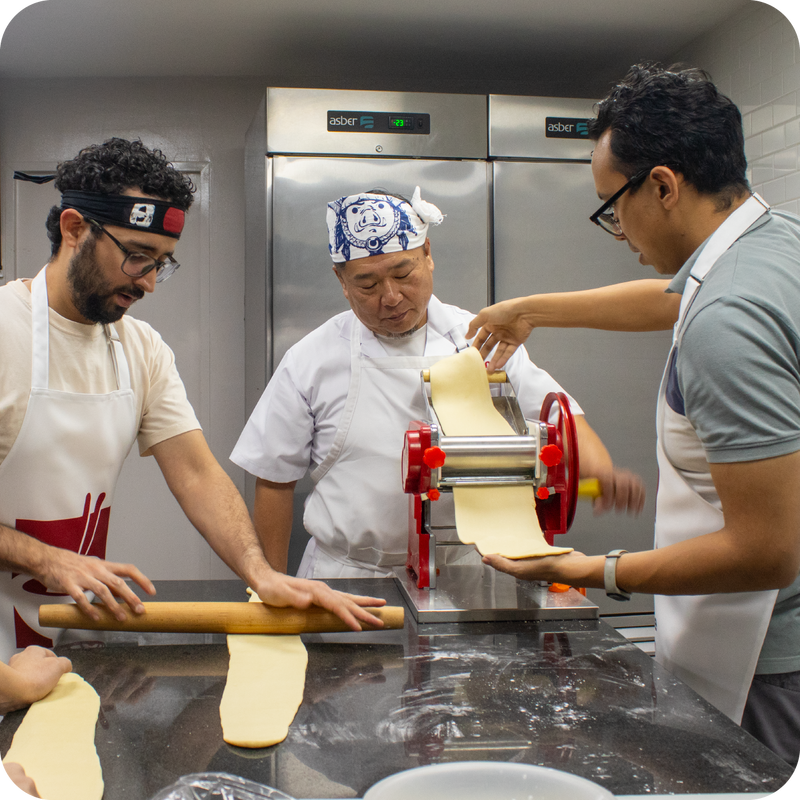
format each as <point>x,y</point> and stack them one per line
<point>542,493</point>
<point>434,494</point>
<point>550,455</point>
<point>434,457</point>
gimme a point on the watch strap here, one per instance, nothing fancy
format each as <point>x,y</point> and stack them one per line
<point>610,576</point>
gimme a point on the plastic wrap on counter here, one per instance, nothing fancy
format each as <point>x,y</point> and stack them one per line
<point>218,786</point>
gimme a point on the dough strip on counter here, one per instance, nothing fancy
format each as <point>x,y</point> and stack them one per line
<point>264,688</point>
<point>55,742</point>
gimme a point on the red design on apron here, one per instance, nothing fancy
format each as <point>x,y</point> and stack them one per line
<point>86,535</point>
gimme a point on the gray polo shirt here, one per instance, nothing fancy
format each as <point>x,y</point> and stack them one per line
<point>737,374</point>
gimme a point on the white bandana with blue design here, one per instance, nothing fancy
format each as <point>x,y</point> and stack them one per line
<point>363,225</point>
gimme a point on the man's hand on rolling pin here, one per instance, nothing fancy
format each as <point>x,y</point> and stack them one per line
<point>502,326</point>
<point>622,490</point>
<point>277,589</point>
<point>74,574</point>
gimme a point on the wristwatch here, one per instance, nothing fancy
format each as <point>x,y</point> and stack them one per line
<point>610,576</point>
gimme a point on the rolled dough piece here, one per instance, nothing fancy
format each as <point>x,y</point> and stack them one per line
<point>496,519</point>
<point>55,742</point>
<point>264,689</point>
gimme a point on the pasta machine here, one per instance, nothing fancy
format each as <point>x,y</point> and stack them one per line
<point>540,453</point>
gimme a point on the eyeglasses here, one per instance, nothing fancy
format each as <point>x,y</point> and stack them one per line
<point>137,265</point>
<point>608,222</point>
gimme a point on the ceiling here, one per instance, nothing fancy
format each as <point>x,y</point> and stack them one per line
<point>448,45</point>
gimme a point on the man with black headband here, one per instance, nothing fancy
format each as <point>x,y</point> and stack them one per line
<point>80,382</point>
<point>341,399</point>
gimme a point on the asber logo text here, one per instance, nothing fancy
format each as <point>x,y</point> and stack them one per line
<point>566,128</point>
<point>360,121</point>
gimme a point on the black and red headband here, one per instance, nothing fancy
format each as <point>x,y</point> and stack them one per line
<point>136,213</point>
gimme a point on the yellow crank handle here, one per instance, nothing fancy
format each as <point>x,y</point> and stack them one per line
<point>589,489</point>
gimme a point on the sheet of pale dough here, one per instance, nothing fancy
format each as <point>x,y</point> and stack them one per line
<point>264,689</point>
<point>496,519</point>
<point>55,742</point>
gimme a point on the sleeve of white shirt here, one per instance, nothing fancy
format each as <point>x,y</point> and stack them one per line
<point>532,384</point>
<point>276,441</point>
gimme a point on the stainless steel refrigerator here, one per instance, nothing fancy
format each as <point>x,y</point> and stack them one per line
<point>512,176</point>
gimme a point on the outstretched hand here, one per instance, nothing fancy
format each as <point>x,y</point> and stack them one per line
<point>502,327</point>
<point>568,568</point>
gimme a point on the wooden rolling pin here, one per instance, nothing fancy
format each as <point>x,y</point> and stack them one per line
<point>212,618</point>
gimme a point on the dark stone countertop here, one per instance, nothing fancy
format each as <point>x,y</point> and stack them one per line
<point>571,695</point>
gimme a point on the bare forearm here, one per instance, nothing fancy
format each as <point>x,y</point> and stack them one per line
<point>633,306</point>
<point>592,453</point>
<point>214,506</point>
<point>21,553</point>
<point>272,515</point>
<point>211,501</point>
<point>707,564</point>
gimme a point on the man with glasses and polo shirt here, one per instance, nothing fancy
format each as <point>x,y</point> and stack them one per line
<point>669,166</point>
<point>80,382</point>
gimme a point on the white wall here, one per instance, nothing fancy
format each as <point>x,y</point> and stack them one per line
<point>754,58</point>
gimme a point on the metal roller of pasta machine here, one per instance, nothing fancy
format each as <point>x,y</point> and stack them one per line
<point>445,580</point>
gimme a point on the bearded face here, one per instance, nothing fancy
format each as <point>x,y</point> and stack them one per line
<point>93,296</point>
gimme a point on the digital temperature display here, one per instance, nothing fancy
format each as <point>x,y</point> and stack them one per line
<point>404,123</point>
<point>378,122</point>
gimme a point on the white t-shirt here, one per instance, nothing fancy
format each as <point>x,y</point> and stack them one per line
<point>293,426</point>
<point>80,361</point>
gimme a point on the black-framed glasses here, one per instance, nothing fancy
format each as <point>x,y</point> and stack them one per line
<point>137,265</point>
<point>607,221</point>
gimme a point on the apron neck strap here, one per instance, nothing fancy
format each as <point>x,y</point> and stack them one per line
<point>40,366</point>
<point>732,228</point>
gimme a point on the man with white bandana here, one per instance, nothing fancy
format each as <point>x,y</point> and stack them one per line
<point>80,382</point>
<point>341,398</point>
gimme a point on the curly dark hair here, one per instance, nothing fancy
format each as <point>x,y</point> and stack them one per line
<point>675,117</point>
<point>113,166</point>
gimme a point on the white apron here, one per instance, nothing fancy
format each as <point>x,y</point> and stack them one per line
<point>357,514</point>
<point>711,642</point>
<point>58,479</point>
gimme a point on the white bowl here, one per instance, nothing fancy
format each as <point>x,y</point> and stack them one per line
<point>486,780</point>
